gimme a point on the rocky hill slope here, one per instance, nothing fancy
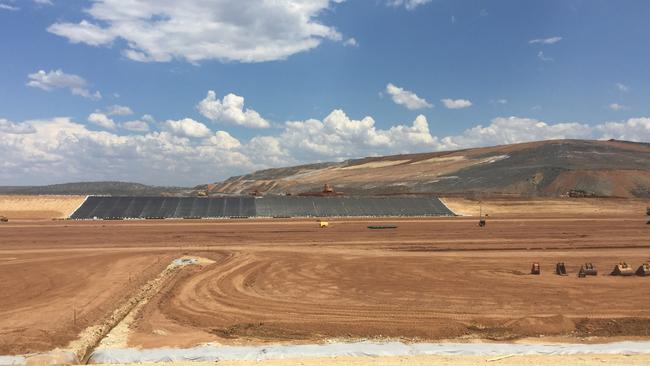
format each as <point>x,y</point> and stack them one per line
<point>94,188</point>
<point>542,169</point>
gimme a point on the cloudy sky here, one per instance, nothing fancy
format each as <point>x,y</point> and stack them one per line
<point>186,92</point>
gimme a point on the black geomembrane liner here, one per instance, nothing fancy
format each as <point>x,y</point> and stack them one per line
<point>96,207</point>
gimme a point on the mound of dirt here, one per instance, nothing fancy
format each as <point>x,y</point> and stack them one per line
<point>38,207</point>
<point>622,327</point>
<point>547,325</point>
<point>545,168</point>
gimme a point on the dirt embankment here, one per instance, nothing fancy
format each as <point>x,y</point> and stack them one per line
<point>534,169</point>
<point>552,207</point>
<point>39,207</point>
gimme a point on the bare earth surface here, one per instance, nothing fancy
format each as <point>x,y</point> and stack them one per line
<point>281,280</point>
<point>555,207</point>
<point>39,207</point>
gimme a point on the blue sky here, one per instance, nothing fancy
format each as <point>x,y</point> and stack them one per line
<point>309,76</point>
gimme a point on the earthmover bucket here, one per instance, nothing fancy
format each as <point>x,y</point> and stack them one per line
<point>582,273</point>
<point>535,269</point>
<point>560,269</point>
<point>622,269</point>
<point>644,270</point>
<point>590,270</point>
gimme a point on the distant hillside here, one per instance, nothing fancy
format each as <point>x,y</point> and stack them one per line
<point>545,168</point>
<point>95,188</point>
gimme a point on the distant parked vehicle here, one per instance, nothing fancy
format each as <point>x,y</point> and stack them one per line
<point>535,270</point>
<point>4,219</point>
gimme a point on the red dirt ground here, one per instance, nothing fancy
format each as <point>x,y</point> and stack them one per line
<point>288,280</point>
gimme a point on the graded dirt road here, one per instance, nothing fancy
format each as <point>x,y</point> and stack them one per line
<point>282,280</point>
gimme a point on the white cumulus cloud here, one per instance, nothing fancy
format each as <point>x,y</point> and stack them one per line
<point>15,128</point>
<point>230,110</point>
<point>57,79</point>
<point>60,150</point>
<point>8,7</point>
<point>135,125</point>
<point>102,120</point>
<point>119,110</point>
<point>196,30</point>
<point>456,103</point>
<point>634,129</point>
<point>83,32</point>
<point>338,136</point>
<point>224,140</point>
<point>408,4</point>
<point>406,98</point>
<point>510,130</point>
<point>187,127</point>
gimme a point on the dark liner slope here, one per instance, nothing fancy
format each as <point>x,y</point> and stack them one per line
<point>97,207</point>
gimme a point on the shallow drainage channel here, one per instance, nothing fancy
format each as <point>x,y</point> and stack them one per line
<point>114,333</point>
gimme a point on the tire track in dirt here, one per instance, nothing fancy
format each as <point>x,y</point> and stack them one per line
<point>293,296</point>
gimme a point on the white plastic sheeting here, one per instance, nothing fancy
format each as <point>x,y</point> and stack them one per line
<point>215,353</point>
<point>12,360</point>
<point>181,262</point>
<point>43,358</point>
